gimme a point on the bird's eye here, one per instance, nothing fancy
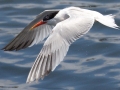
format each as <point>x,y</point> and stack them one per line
<point>47,17</point>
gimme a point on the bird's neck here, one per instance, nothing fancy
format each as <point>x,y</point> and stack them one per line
<point>53,21</point>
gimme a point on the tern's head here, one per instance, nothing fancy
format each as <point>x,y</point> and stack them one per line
<point>47,17</point>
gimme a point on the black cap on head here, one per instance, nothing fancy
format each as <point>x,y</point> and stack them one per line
<point>50,16</point>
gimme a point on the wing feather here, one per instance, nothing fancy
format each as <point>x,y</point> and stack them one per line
<point>57,44</point>
<point>29,37</point>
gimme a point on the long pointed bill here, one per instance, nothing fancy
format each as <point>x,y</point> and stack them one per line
<point>37,24</point>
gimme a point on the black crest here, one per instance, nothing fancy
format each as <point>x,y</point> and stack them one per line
<point>50,16</point>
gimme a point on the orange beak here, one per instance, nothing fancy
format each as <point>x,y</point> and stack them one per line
<point>37,24</point>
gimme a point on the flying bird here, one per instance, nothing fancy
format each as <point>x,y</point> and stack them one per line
<point>63,28</point>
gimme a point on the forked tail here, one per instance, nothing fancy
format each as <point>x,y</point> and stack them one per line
<point>107,20</point>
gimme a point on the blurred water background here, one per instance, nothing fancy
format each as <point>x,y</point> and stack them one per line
<point>92,63</point>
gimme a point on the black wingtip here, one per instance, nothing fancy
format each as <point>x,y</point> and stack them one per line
<point>8,49</point>
<point>4,49</point>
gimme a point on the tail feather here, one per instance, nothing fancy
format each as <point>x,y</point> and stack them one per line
<point>107,20</point>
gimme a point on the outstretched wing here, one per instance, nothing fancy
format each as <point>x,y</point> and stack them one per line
<point>29,37</point>
<point>57,45</point>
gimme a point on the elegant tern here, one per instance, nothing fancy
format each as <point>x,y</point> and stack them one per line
<point>63,27</point>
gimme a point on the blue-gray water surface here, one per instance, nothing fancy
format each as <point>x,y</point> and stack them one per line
<point>92,62</point>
